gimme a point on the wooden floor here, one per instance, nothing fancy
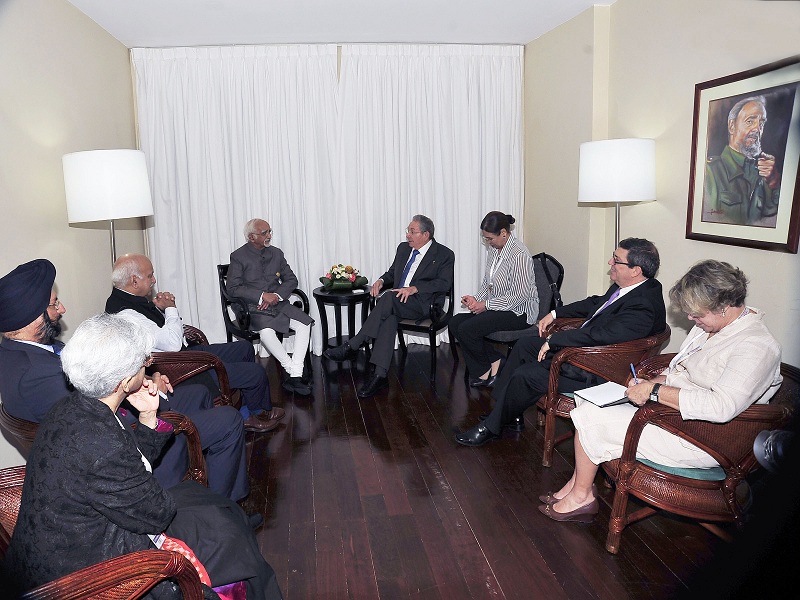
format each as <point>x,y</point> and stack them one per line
<point>374,499</point>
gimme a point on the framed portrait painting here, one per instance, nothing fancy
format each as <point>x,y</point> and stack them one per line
<point>743,181</point>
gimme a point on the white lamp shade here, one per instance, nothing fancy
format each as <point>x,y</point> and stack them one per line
<point>622,170</point>
<point>103,185</point>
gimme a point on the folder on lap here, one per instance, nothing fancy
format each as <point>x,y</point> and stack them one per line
<point>605,394</point>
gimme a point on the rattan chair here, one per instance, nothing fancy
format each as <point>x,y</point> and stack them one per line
<point>25,431</point>
<point>707,495</point>
<point>610,362</point>
<point>125,577</point>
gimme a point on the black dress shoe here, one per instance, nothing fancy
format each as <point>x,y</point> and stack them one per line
<point>488,382</point>
<point>373,386</point>
<point>341,353</point>
<point>297,385</point>
<point>516,424</point>
<point>477,436</point>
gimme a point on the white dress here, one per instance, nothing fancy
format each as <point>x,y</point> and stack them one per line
<point>718,379</point>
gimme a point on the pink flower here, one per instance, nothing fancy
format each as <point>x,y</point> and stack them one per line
<point>352,277</point>
<point>327,276</point>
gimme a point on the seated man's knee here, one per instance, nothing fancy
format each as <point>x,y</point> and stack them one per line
<point>248,353</point>
<point>231,419</point>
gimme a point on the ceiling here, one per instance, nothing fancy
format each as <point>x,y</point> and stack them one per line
<point>164,23</point>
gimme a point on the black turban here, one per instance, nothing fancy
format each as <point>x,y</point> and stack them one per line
<point>25,294</point>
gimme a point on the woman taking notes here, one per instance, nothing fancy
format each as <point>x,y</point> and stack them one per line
<point>507,299</point>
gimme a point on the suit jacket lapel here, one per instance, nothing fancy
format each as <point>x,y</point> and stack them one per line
<point>427,260</point>
<point>620,302</point>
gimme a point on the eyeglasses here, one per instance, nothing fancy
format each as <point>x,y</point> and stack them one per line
<point>617,261</point>
<point>412,231</point>
<point>266,232</point>
<point>55,305</point>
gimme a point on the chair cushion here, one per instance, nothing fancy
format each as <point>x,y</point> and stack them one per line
<point>426,323</point>
<point>712,474</point>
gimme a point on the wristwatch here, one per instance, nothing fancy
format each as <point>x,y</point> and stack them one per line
<point>654,393</point>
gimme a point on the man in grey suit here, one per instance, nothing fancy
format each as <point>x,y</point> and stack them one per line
<point>260,275</point>
<point>422,267</point>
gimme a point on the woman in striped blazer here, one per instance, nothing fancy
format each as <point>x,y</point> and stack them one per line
<point>506,301</point>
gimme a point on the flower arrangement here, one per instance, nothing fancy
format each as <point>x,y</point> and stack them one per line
<point>341,277</point>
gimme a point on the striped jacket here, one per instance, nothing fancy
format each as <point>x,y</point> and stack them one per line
<point>512,285</point>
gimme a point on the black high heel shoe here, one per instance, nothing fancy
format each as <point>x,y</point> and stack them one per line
<point>489,381</point>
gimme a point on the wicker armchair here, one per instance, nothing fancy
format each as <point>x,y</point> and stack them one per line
<point>125,577</point>
<point>25,431</point>
<point>180,366</point>
<point>713,498</point>
<point>611,362</point>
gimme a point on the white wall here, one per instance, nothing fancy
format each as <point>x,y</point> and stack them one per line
<point>64,86</point>
<point>656,52</point>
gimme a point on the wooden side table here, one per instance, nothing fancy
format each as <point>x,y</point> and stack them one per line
<point>339,299</point>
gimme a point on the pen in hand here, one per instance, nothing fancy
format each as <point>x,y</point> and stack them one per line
<point>635,378</point>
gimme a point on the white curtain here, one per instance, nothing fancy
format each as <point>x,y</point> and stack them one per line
<point>430,129</point>
<point>337,168</point>
<point>232,133</point>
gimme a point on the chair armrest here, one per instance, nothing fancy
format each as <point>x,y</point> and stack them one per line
<point>194,336</point>
<point>241,310</point>
<point>730,444</point>
<point>180,366</point>
<point>197,464</point>
<point>655,365</point>
<point>611,362</point>
<point>11,480</point>
<point>131,575</point>
<point>563,324</point>
<point>302,303</point>
<point>439,315</point>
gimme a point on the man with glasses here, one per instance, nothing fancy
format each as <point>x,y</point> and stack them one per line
<point>32,381</point>
<point>260,275</point>
<point>422,268</point>
<point>632,308</point>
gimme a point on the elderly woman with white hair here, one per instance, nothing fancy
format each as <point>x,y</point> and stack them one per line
<point>89,493</point>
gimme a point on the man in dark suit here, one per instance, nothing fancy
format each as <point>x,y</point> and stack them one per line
<point>422,268</point>
<point>32,381</point>
<point>133,279</point>
<point>632,308</point>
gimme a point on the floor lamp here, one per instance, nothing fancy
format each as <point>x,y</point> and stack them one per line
<point>103,185</point>
<point>617,171</point>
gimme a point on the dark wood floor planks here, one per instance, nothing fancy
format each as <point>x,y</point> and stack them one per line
<point>373,498</point>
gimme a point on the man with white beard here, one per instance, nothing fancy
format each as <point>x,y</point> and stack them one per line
<point>742,185</point>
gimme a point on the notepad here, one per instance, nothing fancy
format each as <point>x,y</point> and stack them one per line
<point>605,394</point>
